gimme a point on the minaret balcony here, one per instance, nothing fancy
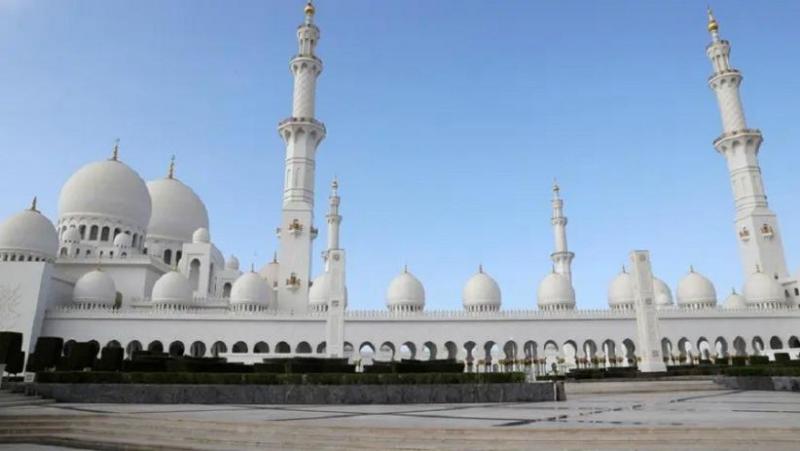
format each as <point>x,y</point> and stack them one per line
<point>747,134</point>
<point>724,72</point>
<point>307,121</point>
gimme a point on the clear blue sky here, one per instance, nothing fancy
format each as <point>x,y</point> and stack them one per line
<point>447,121</point>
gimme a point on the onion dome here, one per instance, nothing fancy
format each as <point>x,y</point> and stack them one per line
<point>232,263</point>
<point>696,291</point>
<point>271,271</point>
<point>201,235</point>
<point>481,293</point>
<point>662,293</point>
<point>95,288</point>
<point>122,241</point>
<point>107,189</point>
<point>71,236</point>
<point>405,293</point>
<point>763,291</point>
<point>735,301</point>
<point>620,292</point>
<point>28,235</point>
<point>177,211</point>
<point>172,290</point>
<point>251,290</point>
<point>318,293</point>
<point>555,293</point>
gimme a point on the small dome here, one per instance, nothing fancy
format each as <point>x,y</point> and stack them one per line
<point>735,301</point>
<point>481,293</point>
<point>251,289</point>
<point>71,236</point>
<point>555,293</point>
<point>318,293</point>
<point>762,290</point>
<point>271,271</point>
<point>177,211</point>
<point>95,288</point>
<point>29,233</point>
<point>620,292</point>
<point>172,289</point>
<point>108,189</point>
<point>122,240</point>
<point>694,291</point>
<point>201,235</point>
<point>405,293</point>
<point>232,263</point>
<point>663,294</point>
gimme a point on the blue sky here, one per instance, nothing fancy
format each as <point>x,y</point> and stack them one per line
<point>447,121</point>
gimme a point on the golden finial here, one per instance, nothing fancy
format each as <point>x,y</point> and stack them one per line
<point>309,9</point>
<point>33,204</point>
<point>171,171</point>
<point>115,151</point>
<point>713,26</point>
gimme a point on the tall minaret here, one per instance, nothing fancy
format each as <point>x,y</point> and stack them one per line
<point>334,220</point>
<point>302,133</point>
<point>561,256</point>
<point>756,225</point>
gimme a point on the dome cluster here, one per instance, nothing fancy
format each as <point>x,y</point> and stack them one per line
<point>252,292</point>
<point>405,293</point>
<point>172,290</point>
<point>28,236</point>
<point>95,289</point>
<point>555,293</point>
<point>622,295</point>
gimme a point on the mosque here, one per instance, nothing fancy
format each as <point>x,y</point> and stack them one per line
<point>132,264</point>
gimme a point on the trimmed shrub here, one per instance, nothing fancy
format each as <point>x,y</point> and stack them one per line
<point>738,361</point>
<point>781,357</point>
<point>15,363</point>
<point>82,355</point>
<point>48,350</point>
<point>759,360</point>
<point>81,377</point>
<point>416,366</point>
<point>110,359</point>
<point>10,344</point>
<point>770,370</point>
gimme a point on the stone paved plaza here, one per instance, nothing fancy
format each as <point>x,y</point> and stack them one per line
<point>648,415</point>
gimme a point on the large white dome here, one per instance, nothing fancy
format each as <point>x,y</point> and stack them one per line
<point>695,291</point>
<point>762,290</point>
<point>177,211</point>
<point>405,293</point>
<point>232,263</point>
<point>662,293</point>
<point>108,189</point>
<point>620,292</point>
<point>172,289</point>
<point>30,234</point>
<point>481,293</point>
<point>318,293</point>
<point>555,293</point>
<point>95,288</point>
<point>251,289</point>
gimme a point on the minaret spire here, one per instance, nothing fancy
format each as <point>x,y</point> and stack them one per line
<point>33,204</point>
<point>561,256</point>
<point>115,150</point>
<point>756,225</point>
<point>302,134</point>
<point>171,170</point>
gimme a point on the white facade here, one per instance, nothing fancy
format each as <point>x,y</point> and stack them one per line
<point>133,264</point>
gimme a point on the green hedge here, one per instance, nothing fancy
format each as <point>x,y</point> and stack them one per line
<point>97,377</point>
<point>771,370</point>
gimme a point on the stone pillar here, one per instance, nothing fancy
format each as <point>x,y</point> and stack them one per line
<point>648,336</point>
<point>337,301</point>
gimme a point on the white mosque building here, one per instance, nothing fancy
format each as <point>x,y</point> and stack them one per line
<point>132,263</point>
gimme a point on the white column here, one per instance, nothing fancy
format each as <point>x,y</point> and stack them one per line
<point>649,339</point>
<point>561,256</point>
<point>757,231</point>
<point>334,221</point>
<point>302,134</point>
<point>337,302</point>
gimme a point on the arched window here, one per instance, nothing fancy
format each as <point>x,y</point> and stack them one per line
<point>116,232</point>
<point>168,256</point>
<point>240,347</point>
<point>63,252</point>
<point>226,290</point>
<point>261,348</point>
<point>88,252</point>
<point>176,349</point>
<point>135,241</point>
<point>82,231</point>
<point>194,274</point>
<point>93,233</point>
<point>77,251</point>
<point>178,256</point>
<point>104,234</point>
